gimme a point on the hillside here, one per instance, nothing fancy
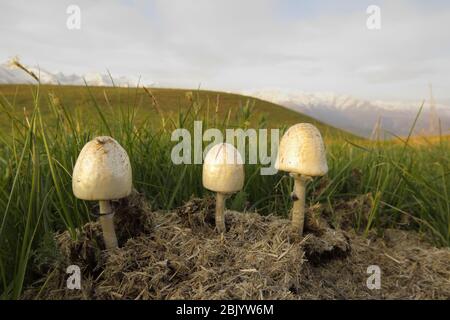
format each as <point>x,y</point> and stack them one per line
<point>169,102</point>
<point>362,116</point>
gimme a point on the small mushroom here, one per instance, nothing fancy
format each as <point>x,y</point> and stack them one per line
<point>223,173</point>
<point>103,173</point>
<point>302,154</point>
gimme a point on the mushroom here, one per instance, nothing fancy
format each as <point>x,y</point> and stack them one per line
<point>223,173</point>
<point>302,154</point>
<point>103,173</point>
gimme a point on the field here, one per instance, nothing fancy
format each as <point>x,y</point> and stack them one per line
<point>402,184</point>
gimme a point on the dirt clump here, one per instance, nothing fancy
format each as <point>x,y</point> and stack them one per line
<point>179,255</point>
<point>132,218</point>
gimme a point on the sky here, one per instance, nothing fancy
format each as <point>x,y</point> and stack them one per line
<point>231,45</point>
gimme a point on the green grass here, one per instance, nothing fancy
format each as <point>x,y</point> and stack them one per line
<point>42,130</point>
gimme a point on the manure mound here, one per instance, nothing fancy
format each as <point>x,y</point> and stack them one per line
<point>180,256</point>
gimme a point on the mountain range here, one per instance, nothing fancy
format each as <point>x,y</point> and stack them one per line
<point>10,75</point>
<point>364,117</point>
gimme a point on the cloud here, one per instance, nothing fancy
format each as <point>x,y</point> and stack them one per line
<point>235,45</point>
<point>395,72</point>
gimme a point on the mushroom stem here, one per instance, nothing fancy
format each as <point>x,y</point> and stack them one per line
<point>220,208</point>
<point>298,209</point>
<point>107,223</point>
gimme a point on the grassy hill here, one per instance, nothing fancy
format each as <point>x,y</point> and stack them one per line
<point>168,102</point>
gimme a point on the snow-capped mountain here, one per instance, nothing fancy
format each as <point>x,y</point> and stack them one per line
<point>10,75</point>
<point>363,116</point>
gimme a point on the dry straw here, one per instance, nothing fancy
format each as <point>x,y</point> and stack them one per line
<point>179,256</point>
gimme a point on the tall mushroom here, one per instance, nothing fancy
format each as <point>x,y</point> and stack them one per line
<point>302,154</point>
<point>223,173</point>
<point>103,173</point>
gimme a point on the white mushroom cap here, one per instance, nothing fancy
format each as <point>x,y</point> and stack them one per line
<point>302,151</point>
<point>102,171</point>
<point>223,169</point>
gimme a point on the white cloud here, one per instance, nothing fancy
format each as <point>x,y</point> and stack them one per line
<point>235,45</point>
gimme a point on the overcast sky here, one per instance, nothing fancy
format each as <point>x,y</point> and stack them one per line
<point>242,45</point>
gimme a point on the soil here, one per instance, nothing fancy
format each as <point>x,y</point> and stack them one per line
<point>179,255</point>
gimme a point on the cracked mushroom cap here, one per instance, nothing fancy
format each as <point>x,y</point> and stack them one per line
<point>102,171</point>
<point>223,169</point>
<point>302,151</point>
